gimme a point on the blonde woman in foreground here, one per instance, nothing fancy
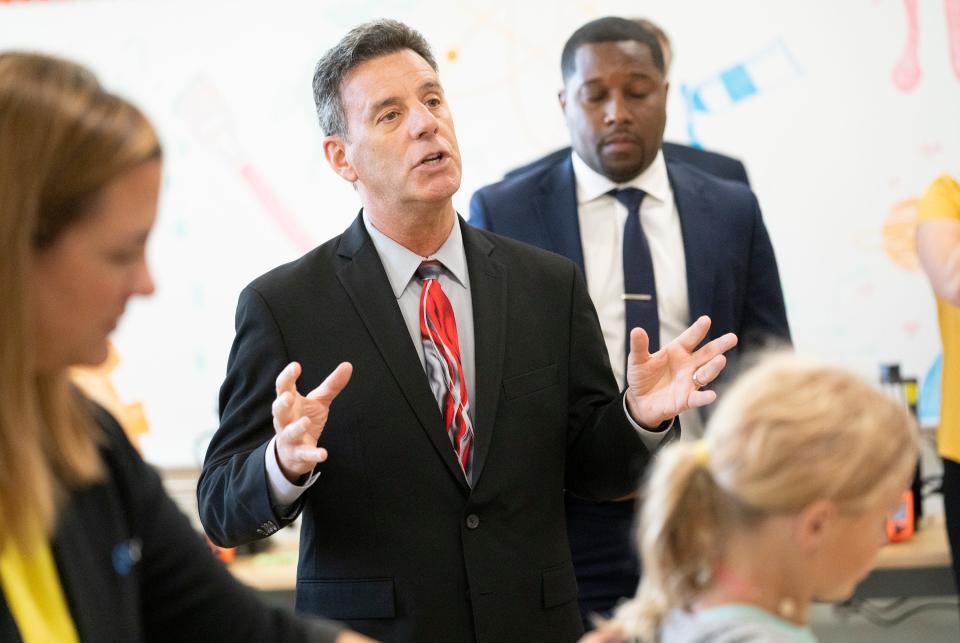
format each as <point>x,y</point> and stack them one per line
<point>783,503</point>
<point>91,548</point>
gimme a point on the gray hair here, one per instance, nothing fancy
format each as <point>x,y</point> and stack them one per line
<point>364,42</point>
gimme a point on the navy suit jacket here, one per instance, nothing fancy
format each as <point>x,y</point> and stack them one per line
<point>732,273</point>
<point>718,165</point>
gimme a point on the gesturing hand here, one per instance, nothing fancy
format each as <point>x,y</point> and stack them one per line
<point>299,420</point>
<point>666,383</point>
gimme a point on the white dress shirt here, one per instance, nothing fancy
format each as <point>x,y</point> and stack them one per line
<point>602,218</point>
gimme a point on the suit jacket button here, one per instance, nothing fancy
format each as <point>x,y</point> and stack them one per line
<point>473,521</point>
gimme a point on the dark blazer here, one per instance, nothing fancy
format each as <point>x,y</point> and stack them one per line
<point>731,276</point>
<point>718,165</point>
<point>732,273</point>
<point>394,541</point>
<point>133,568</point>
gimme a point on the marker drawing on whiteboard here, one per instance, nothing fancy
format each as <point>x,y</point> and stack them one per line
<point>952,8</point>
<point>907,72</point>
<point>762,72</point>
<point>206,113</point>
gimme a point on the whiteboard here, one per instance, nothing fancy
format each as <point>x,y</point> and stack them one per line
<point>843,113</point>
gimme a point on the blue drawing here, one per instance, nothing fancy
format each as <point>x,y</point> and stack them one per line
<point>738,83</point>
<point>928,406</point>
<point>764,71</point>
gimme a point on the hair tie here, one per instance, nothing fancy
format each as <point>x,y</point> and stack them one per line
<point>701,453</point>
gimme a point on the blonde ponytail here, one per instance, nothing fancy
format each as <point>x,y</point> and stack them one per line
<point>790,431</point>
<point>680,525</point>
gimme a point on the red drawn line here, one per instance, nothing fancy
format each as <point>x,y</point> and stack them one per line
<point>906,73</point>
<point>952,9</point>
<point>931,150</point>
<point>275,208</point>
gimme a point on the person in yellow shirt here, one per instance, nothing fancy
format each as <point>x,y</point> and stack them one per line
<point>938,244</point>
<point>91,548</point>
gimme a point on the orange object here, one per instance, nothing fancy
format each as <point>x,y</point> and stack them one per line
<point>225,554</point>
<point>900,524</point>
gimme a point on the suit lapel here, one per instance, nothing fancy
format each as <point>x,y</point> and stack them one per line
<point>557,210</point>
<point>363,277</point>
<point>488,285</point>
<point>697,219</point>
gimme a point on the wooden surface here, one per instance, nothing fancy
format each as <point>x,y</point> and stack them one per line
<point>927,548</point>
<point>274,570</point>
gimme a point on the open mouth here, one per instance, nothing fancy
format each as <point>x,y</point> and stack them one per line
<point>433,159</point>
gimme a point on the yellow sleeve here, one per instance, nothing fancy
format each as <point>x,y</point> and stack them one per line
<point>941,201</point>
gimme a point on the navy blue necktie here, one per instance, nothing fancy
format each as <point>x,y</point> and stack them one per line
<point>639,286</point>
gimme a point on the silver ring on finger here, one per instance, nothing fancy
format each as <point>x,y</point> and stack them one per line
<point>697,382</point>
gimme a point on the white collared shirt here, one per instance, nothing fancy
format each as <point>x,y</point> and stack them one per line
<point>601,219</point>
<point>401,265</point>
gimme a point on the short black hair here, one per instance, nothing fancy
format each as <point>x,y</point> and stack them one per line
<point>365,42</point>
<point>609,29</point>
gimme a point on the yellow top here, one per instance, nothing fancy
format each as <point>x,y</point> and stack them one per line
<point>34,595</point>
<point>942,201</point>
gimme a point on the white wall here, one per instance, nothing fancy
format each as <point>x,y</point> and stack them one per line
<point>831,143</point>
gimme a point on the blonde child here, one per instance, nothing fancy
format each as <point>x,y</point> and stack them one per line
<point>782,503</point>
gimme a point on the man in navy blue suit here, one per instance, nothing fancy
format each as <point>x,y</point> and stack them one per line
<point>719,165</point>
<point>621,209</point>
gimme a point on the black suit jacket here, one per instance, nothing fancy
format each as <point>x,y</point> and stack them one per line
<point>720,166</point>
<point>731,270</point>
<point>394,541</point>
<point>133,568</point>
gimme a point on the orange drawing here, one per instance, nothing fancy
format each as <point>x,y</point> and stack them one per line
<point>900,235</point>
<point>96,384</point>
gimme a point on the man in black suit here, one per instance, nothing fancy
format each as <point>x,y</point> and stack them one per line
<point>656,238</point>
<point>428,526</point>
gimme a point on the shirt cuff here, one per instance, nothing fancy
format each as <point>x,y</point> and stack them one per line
<point>283,493</point>
<point>651,439</point>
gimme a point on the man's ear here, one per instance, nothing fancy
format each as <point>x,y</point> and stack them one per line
<point>814,523</point>
<point>562,97</point>
<point>335,149</point>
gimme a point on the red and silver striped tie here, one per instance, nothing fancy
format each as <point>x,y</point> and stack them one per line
<point>441,348</point>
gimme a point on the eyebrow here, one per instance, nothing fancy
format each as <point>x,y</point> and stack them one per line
<point>429,86</point>
<point>633,76</point>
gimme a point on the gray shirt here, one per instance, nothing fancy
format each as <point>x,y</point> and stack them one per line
<point>731,624</point>
<point>401,265</point>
